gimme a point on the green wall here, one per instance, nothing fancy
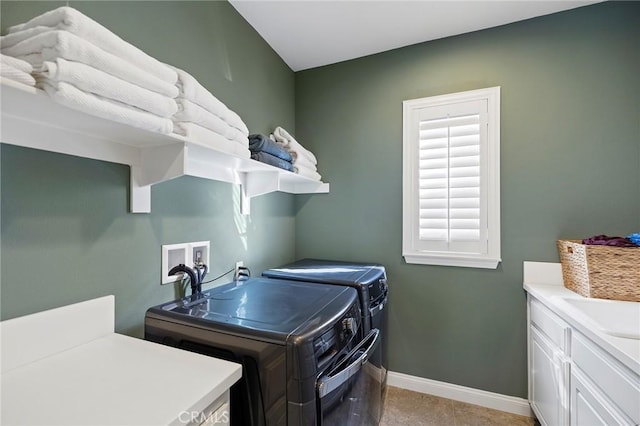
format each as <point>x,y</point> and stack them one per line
<point>570,168</point>
<point>570,148</point>
<point>66,232</point>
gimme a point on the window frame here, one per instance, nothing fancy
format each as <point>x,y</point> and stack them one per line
<point>490,165</point>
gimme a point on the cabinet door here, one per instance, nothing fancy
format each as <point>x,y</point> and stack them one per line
<point>553,328</point>
<point>220,417</point>
<point>589,407</point>
<point>620,384</point>
<point>548,381</point>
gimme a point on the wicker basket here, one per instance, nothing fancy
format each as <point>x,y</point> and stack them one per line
<point>601,272</point>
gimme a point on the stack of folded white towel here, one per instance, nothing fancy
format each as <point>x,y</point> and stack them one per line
<point>84,66</point>
<point>203,118</point>
<point>304,162</point>
<point>16,69</point>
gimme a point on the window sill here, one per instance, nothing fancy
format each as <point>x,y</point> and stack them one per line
<point>465,261</point>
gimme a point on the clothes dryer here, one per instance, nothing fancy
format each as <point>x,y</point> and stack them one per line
<point>369,279</point>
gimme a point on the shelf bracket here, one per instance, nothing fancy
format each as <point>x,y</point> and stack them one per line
<point>140,195</point>
<point>245,196</point>
<point>259,183</point>
<point>254,184</point>
<point>245,202</point>
<point>162,163</point>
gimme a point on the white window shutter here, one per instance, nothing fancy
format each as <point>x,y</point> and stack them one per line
<point>449,177</point>
<point>447,182</point>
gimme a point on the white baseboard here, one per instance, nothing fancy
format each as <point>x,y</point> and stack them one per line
<point>496,401</point>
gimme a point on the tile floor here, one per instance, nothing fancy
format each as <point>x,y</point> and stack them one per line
<point>404,407</point>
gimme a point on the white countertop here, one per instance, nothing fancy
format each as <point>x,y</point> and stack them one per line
<point>544,282</point>
<point>109,379</point>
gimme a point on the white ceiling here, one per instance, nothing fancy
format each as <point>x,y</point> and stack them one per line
<point>312,33</point>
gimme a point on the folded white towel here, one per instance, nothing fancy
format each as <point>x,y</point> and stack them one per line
<point>212,139</point>
<point>283,138</point>
<point>234,120</point>
<point>69,19</point>
<point>92,80</point>
<point>16,63</point>
<point>194,113</point>
<point>50,45</point>
<point>11,73</point>
<point>238,136</point>
<point>303,171</point>
<point>12,39</point>
<point>72,97</point>
<point>191,89</point>
<point>303,161</point>
<point>191,112</point>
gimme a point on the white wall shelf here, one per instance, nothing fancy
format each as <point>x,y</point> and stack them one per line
<point>31,119</point>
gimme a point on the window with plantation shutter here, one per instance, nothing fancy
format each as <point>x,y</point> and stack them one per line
<point>451,179</point>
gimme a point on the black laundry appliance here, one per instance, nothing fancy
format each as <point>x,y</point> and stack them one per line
<point>303,362</point>
<point>369,279</point>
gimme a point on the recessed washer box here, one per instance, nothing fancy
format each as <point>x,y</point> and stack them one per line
<point>186,253</point>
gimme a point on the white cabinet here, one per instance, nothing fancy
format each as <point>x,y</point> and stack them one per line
<point>589,407</point>
<point>601,387</point>
<point>548,380</point>
<point>220,417</point>
<point>66,366</point>
<point>572,380</point>
<point>549,365</point>
<point>31,119</point>
<point>217,414</point>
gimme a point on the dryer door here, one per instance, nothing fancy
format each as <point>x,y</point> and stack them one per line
<point>349,394</point>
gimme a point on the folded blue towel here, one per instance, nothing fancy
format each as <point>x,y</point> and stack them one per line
<point>272,160</point>
<point>261,143</point>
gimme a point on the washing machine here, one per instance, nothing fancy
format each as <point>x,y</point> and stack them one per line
<point>303,362</point>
